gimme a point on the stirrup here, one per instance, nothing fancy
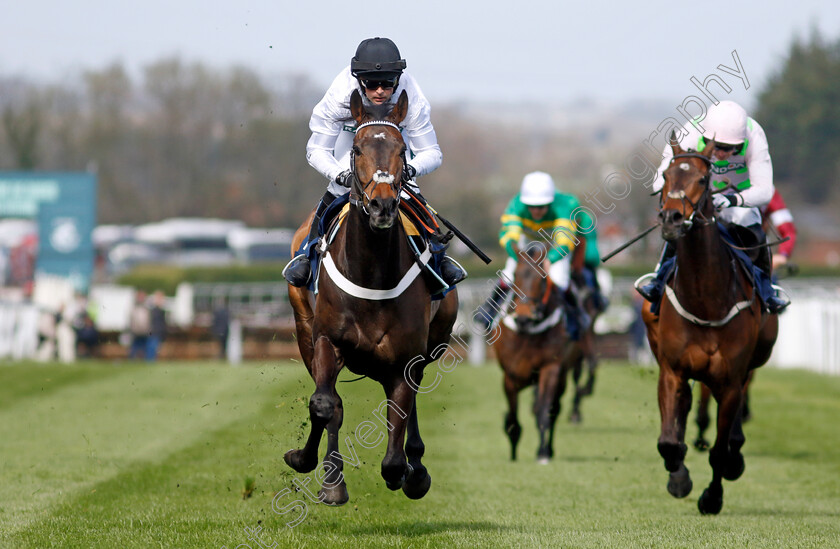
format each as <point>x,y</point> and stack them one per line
<point>781,297</point>
<point>459,277</point>
<point>297,272</point>
<point>645,289</point>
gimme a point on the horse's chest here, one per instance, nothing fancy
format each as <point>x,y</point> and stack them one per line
<point>382,338</point>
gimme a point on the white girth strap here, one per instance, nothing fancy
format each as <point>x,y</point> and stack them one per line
<point>367,293</point>
<point>737,308</point>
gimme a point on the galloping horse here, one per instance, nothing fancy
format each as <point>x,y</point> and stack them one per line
<point>711,328</point>
<point>534,348</point>
<point>361,319</point>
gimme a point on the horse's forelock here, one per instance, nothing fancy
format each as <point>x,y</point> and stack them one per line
<point>378,112</point>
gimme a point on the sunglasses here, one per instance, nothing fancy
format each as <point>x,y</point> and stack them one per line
<point>384,84</point>
<point>726,148</point>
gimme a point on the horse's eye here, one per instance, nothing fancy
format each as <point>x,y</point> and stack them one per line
<point>402,151</point>
<point>356,150</point>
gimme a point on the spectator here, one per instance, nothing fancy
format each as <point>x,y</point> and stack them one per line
<point>87,337</point>
<point>158,326</point>
<point>139,324</point>
<point>221,324</point>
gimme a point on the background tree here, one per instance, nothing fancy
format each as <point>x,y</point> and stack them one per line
<point>800,111</point>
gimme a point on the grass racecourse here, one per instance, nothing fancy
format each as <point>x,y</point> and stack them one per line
<point>130,455</point>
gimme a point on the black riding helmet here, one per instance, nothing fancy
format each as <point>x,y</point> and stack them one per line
<point>377,59</point>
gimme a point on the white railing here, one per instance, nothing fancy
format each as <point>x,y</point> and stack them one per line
<point>809,330</point>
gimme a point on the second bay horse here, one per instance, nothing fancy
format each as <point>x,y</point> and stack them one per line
<point>711,327</point>
<point>534,349</point>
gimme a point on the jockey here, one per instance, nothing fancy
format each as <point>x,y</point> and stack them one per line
<point>377,70</point>
<point>539,207</point>
<point>777,214</point>
<point>741,162</point>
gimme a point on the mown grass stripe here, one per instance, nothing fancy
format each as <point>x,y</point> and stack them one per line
<point>87,433</point>
<point>21,381</point>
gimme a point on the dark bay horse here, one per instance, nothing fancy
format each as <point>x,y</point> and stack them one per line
<point>534,348</point>
<point>711,327</point>
<point>361,320</point>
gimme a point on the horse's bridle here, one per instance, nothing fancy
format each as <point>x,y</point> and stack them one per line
<point>680,195</point>
<point>361,198</point>
<point>541,305</point>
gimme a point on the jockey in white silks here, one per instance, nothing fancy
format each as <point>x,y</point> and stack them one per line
<point>378,72</point>
<point>740,164</point>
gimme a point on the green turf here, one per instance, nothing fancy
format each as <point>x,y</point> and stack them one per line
<point>158,456</point>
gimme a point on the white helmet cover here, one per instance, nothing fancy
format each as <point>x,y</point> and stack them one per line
<point>726,123</point>
<point>537,189</point>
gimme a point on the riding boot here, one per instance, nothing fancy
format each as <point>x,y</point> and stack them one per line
<point>486,314</point>
<point>653,290</point>
<point>298,271</point>
<point>578,320</point>
<point>450,271</point>
<point>763,262</point>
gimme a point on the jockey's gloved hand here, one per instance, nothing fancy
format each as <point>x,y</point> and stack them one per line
<point>578,278</point>
<point>409,172</point>
<point>345,178</point>
<point>723,201</point>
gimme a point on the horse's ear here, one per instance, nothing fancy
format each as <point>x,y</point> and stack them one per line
<point>357,110</point>
<point>707,150</point>
<point>675,144</point>
<point>400,109</point>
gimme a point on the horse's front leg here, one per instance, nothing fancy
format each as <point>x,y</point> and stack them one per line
<point>674,403</point>
<point>512,427</point>
<point>322,406</point>
<point>419,480</point>
<point>399,403</point>
<point>547,409</point>
<point>580,391</point>
<point>333,488</point>
<point>725,456</point>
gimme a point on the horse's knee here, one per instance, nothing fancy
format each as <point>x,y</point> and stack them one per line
<point>321,408</point>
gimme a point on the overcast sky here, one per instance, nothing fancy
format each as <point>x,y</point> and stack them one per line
<point>459,50</point>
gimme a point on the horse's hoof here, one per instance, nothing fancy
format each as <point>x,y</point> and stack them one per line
<point>701,444</point>
<point>394,486</point>
<point>575,418</point>
<point>335,496</point>
<point>416,490</point>
<point>710,504</point>
<point>296,459</point>
<point>397,484</point>
<point>543,460</point>
<point>679,483</point>
<point>734,467</point>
